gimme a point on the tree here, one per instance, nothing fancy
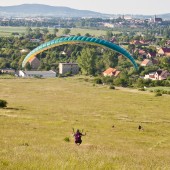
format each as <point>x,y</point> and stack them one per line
<point>131,48</point>
<point>86,61</point>
<point>87,35</point>
<point>55,31</point>
<point>28,30</point>
<point>45,31</point>
<point>66,31</point>
<point>110,59</point>
<point>28,66</point>
<point>165,63</point>
<point>109,35</point>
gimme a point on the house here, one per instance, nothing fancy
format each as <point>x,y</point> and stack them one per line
<point>164,51</point>
<point>35,63</point>
<point>111,72</point>
<point>146,62</point>
<point>158,75</point>
<point>68,68</point>
<point>43,74</point>
<point>168,42</point>
<point>151,54</point>
<point>136,42</point>
<point>142,53</point>
<point>7,70</point>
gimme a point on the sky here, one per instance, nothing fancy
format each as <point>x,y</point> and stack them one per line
<point>145,7</point>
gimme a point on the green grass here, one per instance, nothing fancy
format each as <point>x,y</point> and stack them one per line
<point>159,87</point>
<point>7,31</point>
<point>41,113</point>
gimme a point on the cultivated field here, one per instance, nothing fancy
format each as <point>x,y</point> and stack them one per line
<point>7,31</point>
<point>42,112</point>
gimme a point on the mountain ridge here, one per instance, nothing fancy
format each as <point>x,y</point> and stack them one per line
<point>47,10</point>
<point>59,11</point>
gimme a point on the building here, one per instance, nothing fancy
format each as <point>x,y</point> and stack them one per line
<point>151,55</point>
<point>157,20</point>
<point>7,70</point>
<point>158,75</point>
<point>42,74</point>
<point>35,63</point>
<point>146,62</point>
<point>164,52</point>
<point>71,68</point>
<point>111,72</point>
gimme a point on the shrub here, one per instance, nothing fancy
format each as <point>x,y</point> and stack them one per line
<point>158,94</point>
<point>111,87</point>
<point>3,103</point>
<point>141,89</point>
<point>67,139</point>
<point>98,81</point>
<point>157,90</point>
<point>164,92</point>
<point>86,79</point>
<point>107,80</point>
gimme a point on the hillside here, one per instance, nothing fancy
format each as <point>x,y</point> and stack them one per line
<point>46,10</point>
<point>42,112</point>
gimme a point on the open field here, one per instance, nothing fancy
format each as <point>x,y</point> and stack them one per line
<point>160,88</point>
<point>42,112</point>
<point>6,31</point>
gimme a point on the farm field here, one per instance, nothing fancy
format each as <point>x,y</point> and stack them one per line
<point>7,31</point>
<point>42,112</point>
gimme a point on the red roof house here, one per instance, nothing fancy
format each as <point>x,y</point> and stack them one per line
<point>146,62</point>
<point>111,72</point>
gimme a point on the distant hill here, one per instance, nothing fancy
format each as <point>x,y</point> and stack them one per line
<point>46,10</point>
<point>58,11</point>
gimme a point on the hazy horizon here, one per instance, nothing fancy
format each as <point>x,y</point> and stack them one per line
<point>133,7</point>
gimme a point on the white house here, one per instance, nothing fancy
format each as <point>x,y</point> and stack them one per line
<point>43,74</point>
<point>158,75</point>
<point>7,70</point>
<point>68,68</point>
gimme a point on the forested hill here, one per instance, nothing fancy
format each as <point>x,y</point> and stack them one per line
<point>46,10</point>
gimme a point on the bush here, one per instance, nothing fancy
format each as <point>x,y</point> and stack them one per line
<point>158,94</point>
<point>164,92</point>
<point>111,87</point>
<point>67,139</point>
<point>157,90</point>
<point>107,80</point>
<point>3,103</point>
<point>141,89</point>
<point>98,81</point>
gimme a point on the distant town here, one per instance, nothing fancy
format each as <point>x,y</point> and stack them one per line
<point>146,39</point>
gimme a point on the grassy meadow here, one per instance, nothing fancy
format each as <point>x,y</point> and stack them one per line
<point>42,112</point>
<point>7,31</point>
